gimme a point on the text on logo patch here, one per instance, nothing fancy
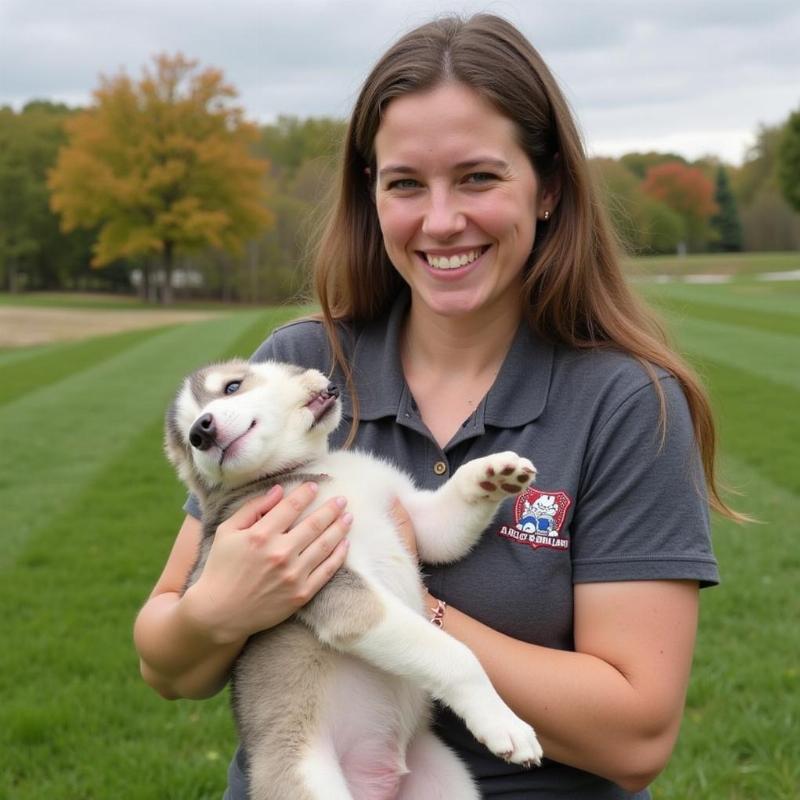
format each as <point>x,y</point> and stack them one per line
<point>539,519</point>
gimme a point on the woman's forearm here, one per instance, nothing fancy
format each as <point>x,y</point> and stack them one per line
<point>178,656</point>
<point>587,712</point>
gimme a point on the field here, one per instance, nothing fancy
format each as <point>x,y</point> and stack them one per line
<point>89,507</point>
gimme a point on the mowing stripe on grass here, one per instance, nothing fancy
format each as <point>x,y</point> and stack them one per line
<point>73,671</point>
<point>767,321</point>
<point>9,355</point>
<point>61,435</point>
<point>251,338</point>
<point>735,741</point>
<point>41,368</point>
<point>757,421</point>
<point>746,296</point>
<point>764,356</point>
<point>85,571</point>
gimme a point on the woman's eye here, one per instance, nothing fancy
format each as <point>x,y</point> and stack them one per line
<point>403,183</point>
<point>480,177</point>
<point>232,387</point>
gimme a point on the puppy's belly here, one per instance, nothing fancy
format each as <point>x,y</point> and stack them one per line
<point>368,720</point>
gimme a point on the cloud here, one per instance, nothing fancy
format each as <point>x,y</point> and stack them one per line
<point>700,74</point>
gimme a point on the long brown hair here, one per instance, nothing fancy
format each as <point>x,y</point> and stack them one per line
<point>574,288</point>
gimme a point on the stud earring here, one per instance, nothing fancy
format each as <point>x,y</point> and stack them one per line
<point>546,216</point>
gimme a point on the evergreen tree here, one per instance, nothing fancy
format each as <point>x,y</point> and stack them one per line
<point>725,222</point>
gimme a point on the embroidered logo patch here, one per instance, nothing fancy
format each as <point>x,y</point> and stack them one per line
<point>539,517</point>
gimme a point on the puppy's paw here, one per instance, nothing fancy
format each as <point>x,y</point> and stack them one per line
<point>495,477</point>
<point>509,738</point>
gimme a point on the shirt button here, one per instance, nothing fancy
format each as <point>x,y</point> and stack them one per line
<point>440,468</point>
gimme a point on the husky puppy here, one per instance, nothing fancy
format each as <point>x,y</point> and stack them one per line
<point>333,703</point>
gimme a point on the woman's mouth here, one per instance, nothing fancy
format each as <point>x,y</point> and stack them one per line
<point>445,262</point>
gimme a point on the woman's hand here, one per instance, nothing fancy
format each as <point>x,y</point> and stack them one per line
<point>262,566</point>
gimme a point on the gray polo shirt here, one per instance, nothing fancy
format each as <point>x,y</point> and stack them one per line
<point>611,502</point>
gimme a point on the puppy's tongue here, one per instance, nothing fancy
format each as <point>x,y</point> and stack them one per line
<point>320,404</point>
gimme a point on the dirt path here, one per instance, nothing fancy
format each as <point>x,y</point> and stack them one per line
<point>21,326</point>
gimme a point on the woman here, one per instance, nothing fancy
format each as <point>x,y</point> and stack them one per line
<point>473,302</point>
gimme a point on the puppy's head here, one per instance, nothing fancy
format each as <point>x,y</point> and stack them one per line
<point>235,422</point>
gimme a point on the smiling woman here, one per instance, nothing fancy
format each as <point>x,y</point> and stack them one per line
<point>473,302</point>
<point>457,200</point>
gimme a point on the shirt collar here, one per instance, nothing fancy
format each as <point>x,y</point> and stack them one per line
<point>518,395</point>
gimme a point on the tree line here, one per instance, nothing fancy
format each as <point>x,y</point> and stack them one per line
<point>161,182</point>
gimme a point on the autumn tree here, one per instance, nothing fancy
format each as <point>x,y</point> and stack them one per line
<point>644,225</point>
<point>161,166</point>
<point>688,192</point>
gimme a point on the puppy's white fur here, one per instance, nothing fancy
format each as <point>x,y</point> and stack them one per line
<point>333,704</point>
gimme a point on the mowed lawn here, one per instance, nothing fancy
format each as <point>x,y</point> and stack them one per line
<point>89,508</point>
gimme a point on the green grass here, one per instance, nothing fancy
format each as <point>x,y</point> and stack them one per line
<point>89,509</point>
<point>740,734</point>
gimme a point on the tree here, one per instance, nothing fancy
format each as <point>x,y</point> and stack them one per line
<point>688,192</point>
<point>643,224</point>
<point>789,161</point>
<point>768,221</point>
<point>759,170</point>
<point>33,252</point>
<point>640,163</point>
<point>161,166</point>
<point>290,142</point>
<point>725,222</point>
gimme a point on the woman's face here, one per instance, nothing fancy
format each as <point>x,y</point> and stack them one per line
<point>457,200</point>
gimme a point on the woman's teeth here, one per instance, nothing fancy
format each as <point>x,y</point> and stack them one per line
<point>453,262</point>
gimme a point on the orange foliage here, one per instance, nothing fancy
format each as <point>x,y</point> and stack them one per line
<point>684,189</point>
<point>161,165</point>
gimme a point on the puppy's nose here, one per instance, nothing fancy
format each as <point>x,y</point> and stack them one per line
<point>203,433</point>
<point>332,390</point>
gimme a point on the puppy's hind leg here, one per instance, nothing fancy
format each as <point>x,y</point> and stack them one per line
<point>435,772</point>
<point>322,775</point>
<point>316,775</point>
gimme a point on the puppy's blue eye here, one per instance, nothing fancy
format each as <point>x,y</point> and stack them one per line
<point>232,387</point>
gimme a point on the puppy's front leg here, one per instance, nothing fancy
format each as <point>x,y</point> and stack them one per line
<point>449,521</point>
<point>353,617</point>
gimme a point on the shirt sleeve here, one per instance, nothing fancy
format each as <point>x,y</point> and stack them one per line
<point>642,509</point>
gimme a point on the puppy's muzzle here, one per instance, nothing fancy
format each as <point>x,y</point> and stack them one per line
<point>203,433</point>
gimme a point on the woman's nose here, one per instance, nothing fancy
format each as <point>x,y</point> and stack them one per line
<point>443,217</point>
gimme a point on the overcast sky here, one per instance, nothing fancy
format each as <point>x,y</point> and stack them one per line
<point>689,77</point>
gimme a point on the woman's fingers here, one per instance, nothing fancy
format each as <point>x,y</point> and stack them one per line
<point>285,513</point>
<point>323,545</point>
<point>326,569</point>
<point>253,510</point>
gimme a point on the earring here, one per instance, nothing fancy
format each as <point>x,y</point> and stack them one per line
<point>546,216</point>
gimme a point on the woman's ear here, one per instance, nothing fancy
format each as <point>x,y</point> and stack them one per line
<point>370,183</point>
<point>550,193</point>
